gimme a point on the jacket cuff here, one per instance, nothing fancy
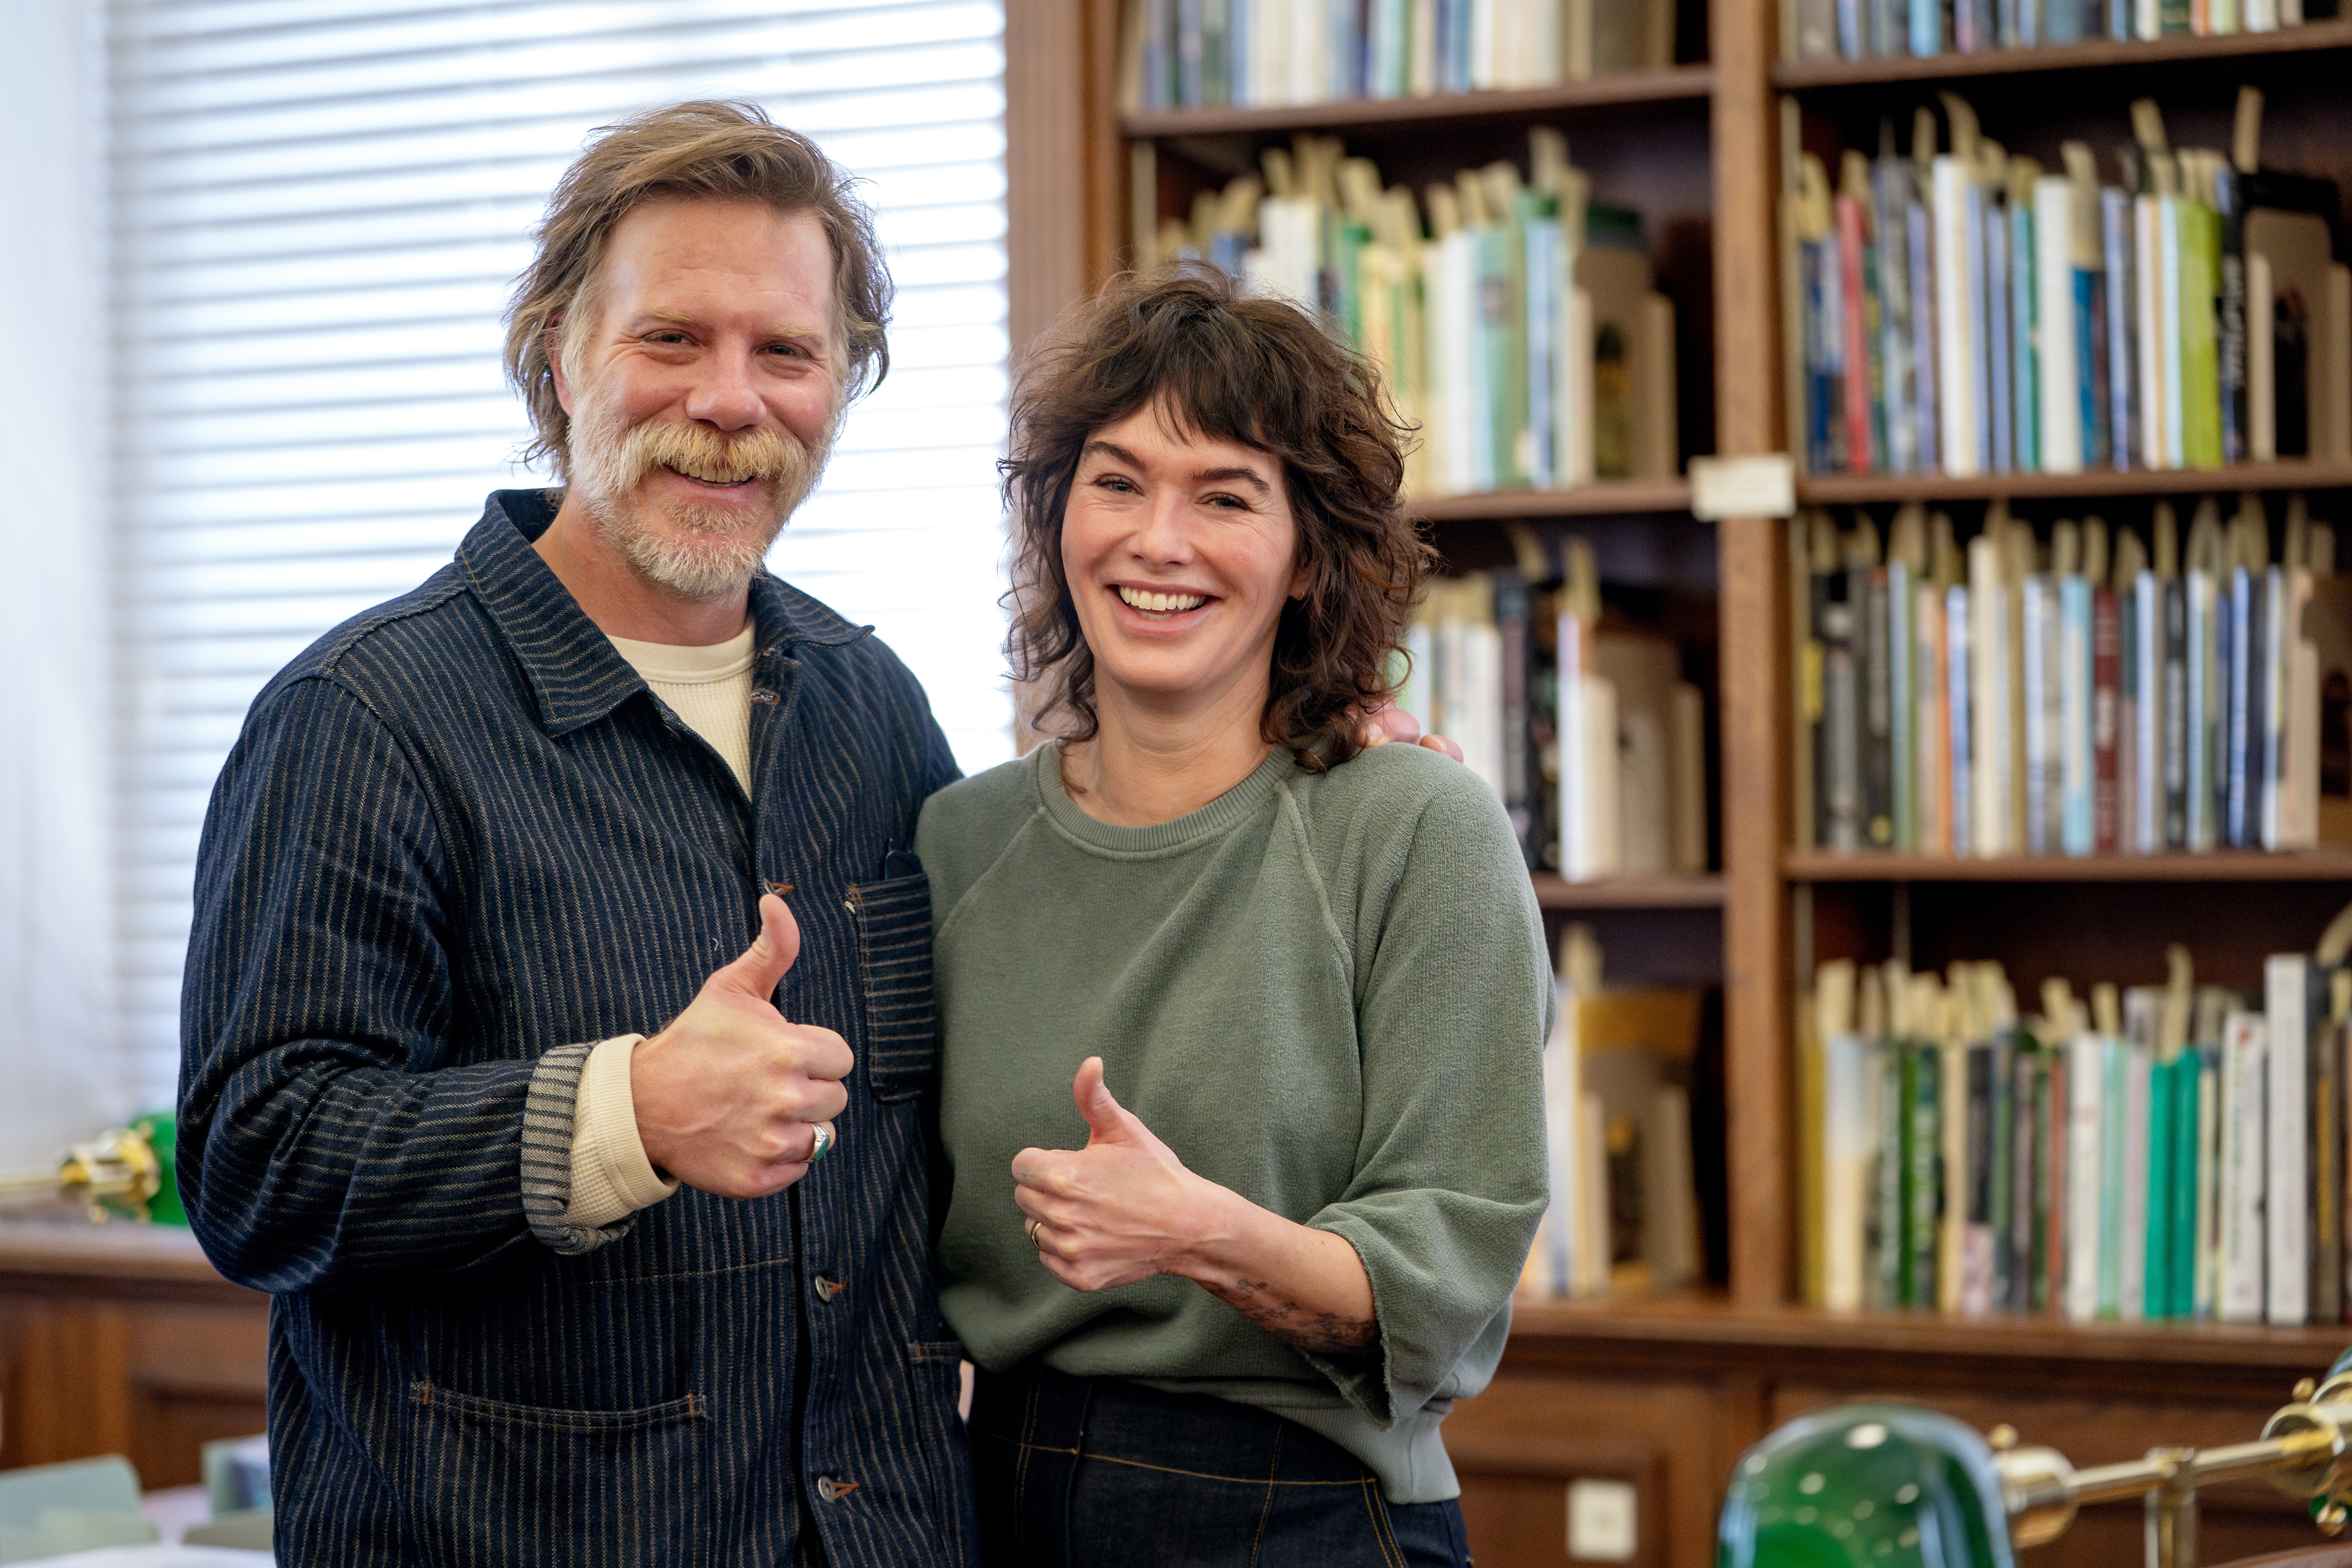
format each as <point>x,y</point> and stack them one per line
<point>611,1177</point>
<point>547,1139</point>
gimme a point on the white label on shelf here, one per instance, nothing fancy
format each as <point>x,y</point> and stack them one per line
<point>1600,1520</point>
<point>1743,487</point>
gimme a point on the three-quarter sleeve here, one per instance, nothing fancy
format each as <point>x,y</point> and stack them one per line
<point>1454,1000</point>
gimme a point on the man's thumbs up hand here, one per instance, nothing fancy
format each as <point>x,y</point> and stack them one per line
<point>764,964</point>
<point>1123,1208</point>
<point>727,1096</point>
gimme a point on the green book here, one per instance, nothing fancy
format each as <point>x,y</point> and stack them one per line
<point>2201,362</point>
<point>1891,1267</point>
<point>2188,1160</point>
<point>1345,242</point>
<point>1502,322</point>
<point>1924,1190</point>
<point>2157,1293</point>
<point>2000,1107</point>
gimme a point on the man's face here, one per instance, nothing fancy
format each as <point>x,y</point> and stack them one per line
<point>703,397</point>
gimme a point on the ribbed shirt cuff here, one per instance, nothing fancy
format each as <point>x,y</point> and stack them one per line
<point>611,1177</point>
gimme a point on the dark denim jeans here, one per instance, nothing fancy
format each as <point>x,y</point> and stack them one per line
<point>1073,1472</point>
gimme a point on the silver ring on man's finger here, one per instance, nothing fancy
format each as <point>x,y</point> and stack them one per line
<point>824,1140</point>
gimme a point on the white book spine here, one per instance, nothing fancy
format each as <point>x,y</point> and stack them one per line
<point>1575,856</point>
<point>2034,591</point>
<point>1849,1131</point>
<point>2244,1173</point>
<point>1987,699</point>
<point>2058,386</point>
<point>2285,991</point>
<point>1955,362</point>
<point>1604,813</point>
<point>2167,328</point>
<point>1484,746</point>
<point>2149,261</point>
<point>2086,1078</point>
<point>2131,1282</point>
<point>1458,311</point>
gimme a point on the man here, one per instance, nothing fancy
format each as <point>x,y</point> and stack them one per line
<point>491,954</point>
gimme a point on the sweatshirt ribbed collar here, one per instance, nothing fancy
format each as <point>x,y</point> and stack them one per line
<point>1228,811</point>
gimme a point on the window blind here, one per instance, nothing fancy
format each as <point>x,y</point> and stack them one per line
<point>317,207</point>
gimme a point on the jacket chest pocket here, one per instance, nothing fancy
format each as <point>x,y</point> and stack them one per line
<point>894,971</point>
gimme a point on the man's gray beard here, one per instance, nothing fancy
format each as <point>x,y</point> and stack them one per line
<point>713,551</point>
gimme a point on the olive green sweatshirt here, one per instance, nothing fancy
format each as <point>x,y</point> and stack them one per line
<point>1328,993</point>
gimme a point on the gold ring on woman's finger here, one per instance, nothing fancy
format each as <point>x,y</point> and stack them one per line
<point>1033,1235</point>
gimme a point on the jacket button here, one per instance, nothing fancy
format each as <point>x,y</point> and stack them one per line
<point>832,1490</point>
<point>826,1290</point>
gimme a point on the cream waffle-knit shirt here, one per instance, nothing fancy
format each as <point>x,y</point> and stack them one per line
<point>710,689</point>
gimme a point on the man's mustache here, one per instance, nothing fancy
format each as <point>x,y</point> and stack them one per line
<point>704,454</point>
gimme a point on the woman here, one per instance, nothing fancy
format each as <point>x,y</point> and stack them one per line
<point>1219,1313</point>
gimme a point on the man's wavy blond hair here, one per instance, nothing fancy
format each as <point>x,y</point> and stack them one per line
<point>711,149</point>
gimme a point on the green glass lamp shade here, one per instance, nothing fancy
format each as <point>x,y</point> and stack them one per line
<point>1867,1486</point>
<point>165,1208</point>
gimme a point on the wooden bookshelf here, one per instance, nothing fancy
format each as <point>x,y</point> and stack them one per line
<point>2098,54</point>
<point>1868,489</point>
<point>1666,1393</point>
<point>2220,866</point>
<point>1554,892</point>
<point>1607,498</point>
<point>1438,112</point>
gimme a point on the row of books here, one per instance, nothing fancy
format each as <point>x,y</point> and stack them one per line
<point>1964,312</point>
<point>1207,54</point>
<point>2085,695</point>
<point>1620,1081</point>
<point>1858,29</point>
<point>1517,327</point>
<point>2162,1153</point>
<point>1580,720</point>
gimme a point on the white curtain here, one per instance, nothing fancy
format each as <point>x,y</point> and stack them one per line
<point>61,1068</point>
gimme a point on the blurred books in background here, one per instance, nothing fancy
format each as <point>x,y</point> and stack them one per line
<point>2097,692</point>
<point>1212,54</point>
<point>2172,1151</point>
<point>1515,322</point>
<point>1581,721</point>
<point>1962,311</point>
<point>1857,29</point>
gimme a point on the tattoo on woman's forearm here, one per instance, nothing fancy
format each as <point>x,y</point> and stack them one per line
<point>1326,1333</point>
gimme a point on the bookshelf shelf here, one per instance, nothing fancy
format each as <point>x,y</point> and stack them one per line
<point>1709,1319</point>
<point>1553,892</point>
<point>1680,84</point>
<point>2099,54</point>
<point>1608,498</point>
<point>1866,489</point>
<point>2221,866</point>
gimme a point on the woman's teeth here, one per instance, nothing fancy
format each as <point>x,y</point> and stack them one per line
<point>1160,604</point>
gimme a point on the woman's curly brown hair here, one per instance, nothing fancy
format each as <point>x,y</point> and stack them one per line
<point>1260,373</point>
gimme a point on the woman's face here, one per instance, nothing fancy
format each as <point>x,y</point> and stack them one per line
<point>1180,552</point>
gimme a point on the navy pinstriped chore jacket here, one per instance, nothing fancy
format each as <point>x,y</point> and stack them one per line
<point>457,842</point>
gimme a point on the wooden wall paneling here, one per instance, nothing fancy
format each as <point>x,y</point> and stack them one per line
<point>1517,1446</point>
<point>192,1374</point>
<point>1062,169</point>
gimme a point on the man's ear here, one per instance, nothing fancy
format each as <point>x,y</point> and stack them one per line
<point>553,338</point>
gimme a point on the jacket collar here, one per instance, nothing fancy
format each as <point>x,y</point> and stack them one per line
<point>576,675</point>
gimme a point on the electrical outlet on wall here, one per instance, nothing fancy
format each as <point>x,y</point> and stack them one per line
<point>1600,1520</point>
